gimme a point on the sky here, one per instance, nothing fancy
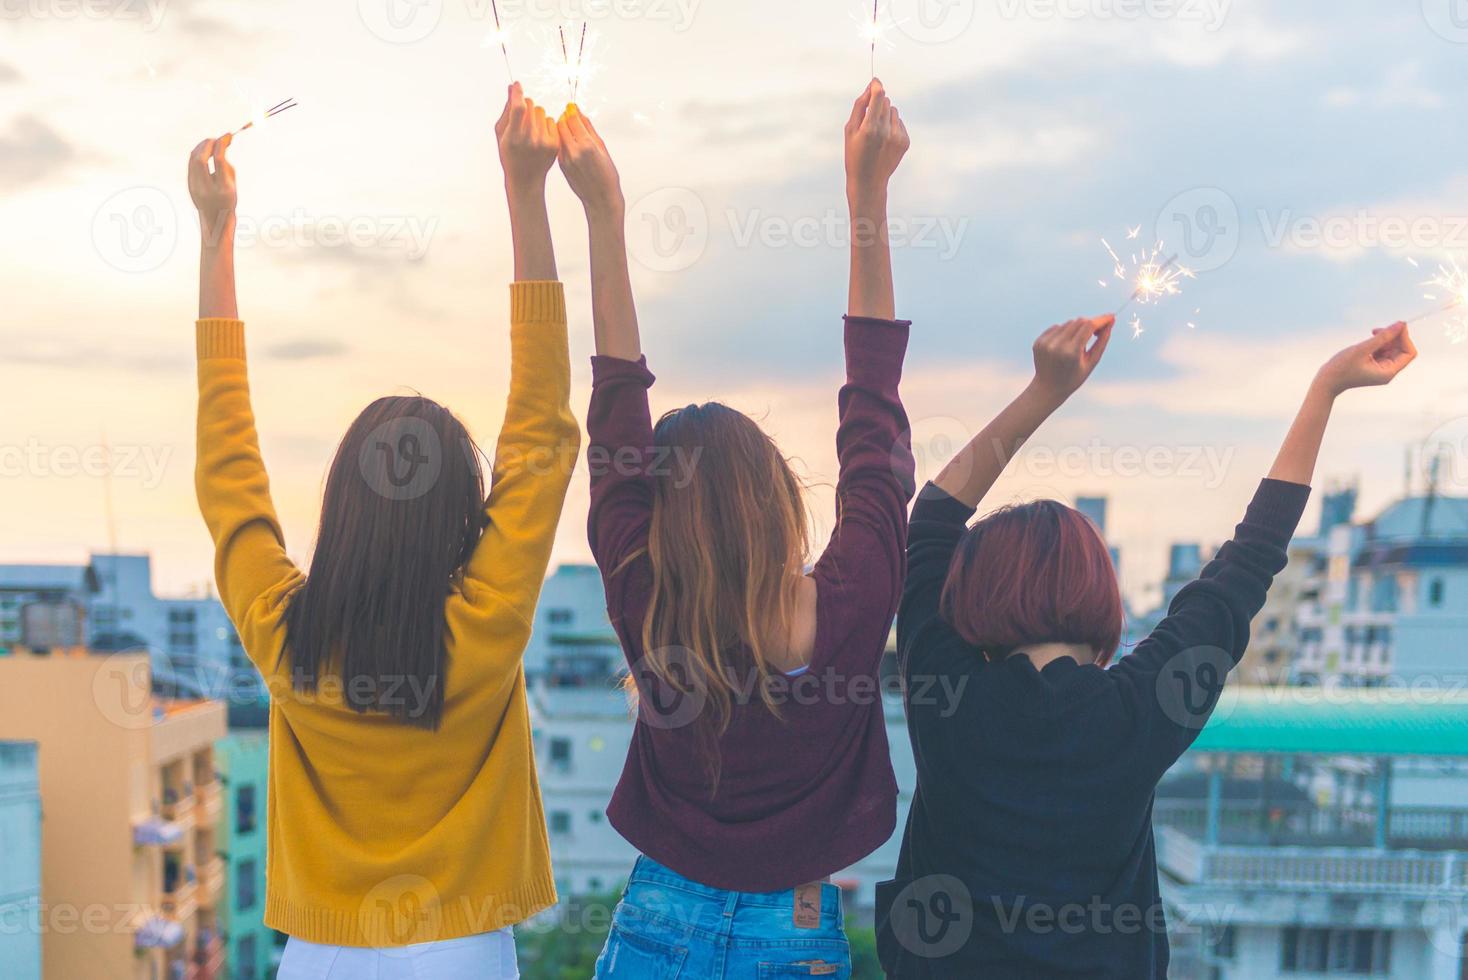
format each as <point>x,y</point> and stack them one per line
<point>1296,156</point>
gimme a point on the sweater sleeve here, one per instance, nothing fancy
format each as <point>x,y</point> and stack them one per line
<point>939,522</point>
<point>534,457</point>
<point>1174,677</point>
<point>250,563</point>
<point>860,572</point>
<point>619,430</point>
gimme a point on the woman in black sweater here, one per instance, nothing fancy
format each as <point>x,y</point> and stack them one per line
<point>1028,851</point>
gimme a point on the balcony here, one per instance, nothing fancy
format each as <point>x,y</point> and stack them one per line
<point>178,807</point>
<point>211,881</point>
<point>210,803</point>
<point>180,894</point>
<point>1297,823</point>
<point>209,957</point>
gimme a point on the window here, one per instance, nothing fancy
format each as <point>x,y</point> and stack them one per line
<point>245,817</point>
<point>559,617</point>
<point>560,753</point>
<point>560,823</point>
<point>245,885</point>
<point>1358,952</point>
<point>247,967</point>
<point>1435,592</point>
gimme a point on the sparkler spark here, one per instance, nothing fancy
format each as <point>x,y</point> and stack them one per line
<point>501,37</point>
<point>1151,276</point>
<point>274,110</point>
<point>874,30</point>
<point>1451,283</point>
<point>573,70</point>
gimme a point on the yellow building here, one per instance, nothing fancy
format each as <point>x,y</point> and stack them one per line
<point>130,881</point>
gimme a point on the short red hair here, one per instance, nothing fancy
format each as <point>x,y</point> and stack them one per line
<point>1034,573</point>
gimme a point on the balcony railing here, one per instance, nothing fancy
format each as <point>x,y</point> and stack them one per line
<point>1301,823</point>
<point>211,881</point>
<point>211,803</point>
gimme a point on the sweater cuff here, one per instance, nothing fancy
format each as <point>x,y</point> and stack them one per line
<point>609,370</point>
<point>220,338</point>
<point>875,349</point>
<point>537,301</point>
<point>936,504</point>
<point>1278,505</point>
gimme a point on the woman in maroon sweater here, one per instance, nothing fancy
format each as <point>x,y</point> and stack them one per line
<point>759,762</point>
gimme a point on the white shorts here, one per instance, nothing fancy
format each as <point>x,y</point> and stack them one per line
<point>489,956</point>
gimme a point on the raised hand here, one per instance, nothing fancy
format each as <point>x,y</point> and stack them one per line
<point>213,187</point>
<point>876,141</point>
<point>527,139</point>
<point>588,165</point>
<point>1374,361</point>
<point>1065,355</point>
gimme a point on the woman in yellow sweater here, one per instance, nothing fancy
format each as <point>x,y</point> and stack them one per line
<point>405,824</point>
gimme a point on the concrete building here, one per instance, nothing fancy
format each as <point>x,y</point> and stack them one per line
<point>244,761</point>
<point>20,866</point>
<point>131,881</point>
<point>1314,832</point>
<point>109,606</point>
<point>572,641</point>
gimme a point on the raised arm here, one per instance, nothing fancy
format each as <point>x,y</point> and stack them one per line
<point>250,562</point>
<point>540,439</point>
<point>876,141</point>
<point>1175,676</point>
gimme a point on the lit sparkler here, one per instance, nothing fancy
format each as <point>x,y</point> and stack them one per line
<point>274,110</point>
<point>1151,276</point>
<point>874,30</point>
<point>501,37</point>
<point>1451,283</point>
<point>572,70</point>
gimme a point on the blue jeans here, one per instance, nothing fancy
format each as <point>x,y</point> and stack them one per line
<point>667,927</point>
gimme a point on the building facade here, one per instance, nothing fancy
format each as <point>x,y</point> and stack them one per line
<point>131,879</point>
<point>20,860</point>
<point>244,761</point>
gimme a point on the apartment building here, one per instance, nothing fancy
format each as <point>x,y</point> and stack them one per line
<point>243,758</point>
<point>131,879</point>
<point>20,868</point>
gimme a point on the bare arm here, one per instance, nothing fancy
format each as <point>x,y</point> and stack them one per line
<point>876,141</point>
<point>1372,362</point>
<point>1064,359</point>
<point>212,187</point>
<point>591,173</point>
<point>527,142</point>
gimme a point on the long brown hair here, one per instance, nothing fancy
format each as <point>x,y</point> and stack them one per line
<point>402,512</point>
<point>729,536</point>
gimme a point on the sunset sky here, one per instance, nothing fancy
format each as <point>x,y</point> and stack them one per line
<point>1296,154</point>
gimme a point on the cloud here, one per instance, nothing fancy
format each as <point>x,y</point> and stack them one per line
<point>31,151</point>
<point>1401,88</point>
<point>8,74</point>
<point>307,350</point>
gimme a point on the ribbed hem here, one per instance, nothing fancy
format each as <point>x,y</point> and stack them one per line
<point>1278,505</point>
<point>381,924</point>
<point>220,338</point>
<point>537,301</point>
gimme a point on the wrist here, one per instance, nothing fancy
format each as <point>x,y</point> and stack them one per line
<point>866,196</point>
<point>1047,395</point>
<point>1323,390</point>
<point>217,233</point>
<point>608,211</point>
<point>525,191</point>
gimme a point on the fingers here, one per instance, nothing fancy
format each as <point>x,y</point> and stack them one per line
<point>1104,325</point>
<point>591,129</point>
<point>879,111</point>
<point>199,160</point>
<point>859,109</point>
<point>514,98</point>
<point>217,155</point>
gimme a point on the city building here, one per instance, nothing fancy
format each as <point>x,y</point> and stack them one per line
<point>20,867</point>
<point>1388,599</point>
<point>1319,832</point>
<point>109,606</point>
<point>571,642</point>
<point>243,758</point>
<point>130,878</point>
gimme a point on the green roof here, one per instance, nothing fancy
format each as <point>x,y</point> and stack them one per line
<point>1317,721</point>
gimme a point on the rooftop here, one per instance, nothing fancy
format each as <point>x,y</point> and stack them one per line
<point>1331,721</point>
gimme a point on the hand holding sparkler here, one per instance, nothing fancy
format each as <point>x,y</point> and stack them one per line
<point>212,186</point>
<point>588,166</point>
<point>1375,361</point>
<point>528,141</point>
<point>1065,355</point>
<point>876,142</point>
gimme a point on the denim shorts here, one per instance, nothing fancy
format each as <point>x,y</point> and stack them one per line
<point>667,927</point>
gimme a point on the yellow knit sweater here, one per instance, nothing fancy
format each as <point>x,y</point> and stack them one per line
<point>381,833</point>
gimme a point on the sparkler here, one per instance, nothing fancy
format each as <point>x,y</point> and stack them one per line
<point>572,71</point>
<point>274,110</point>
<point>1150,276</point>
<point>501,37</point>
<point>1451,279</point>
<point>873,30</point>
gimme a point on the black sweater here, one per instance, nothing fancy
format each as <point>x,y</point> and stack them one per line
<point>1028,851</point>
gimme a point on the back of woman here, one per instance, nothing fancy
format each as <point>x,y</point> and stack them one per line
<point>404,815</point>
<point>759,762</point>
<point>1029,848</point>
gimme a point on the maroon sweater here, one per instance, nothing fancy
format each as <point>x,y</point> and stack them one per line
<point>811,792</point>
